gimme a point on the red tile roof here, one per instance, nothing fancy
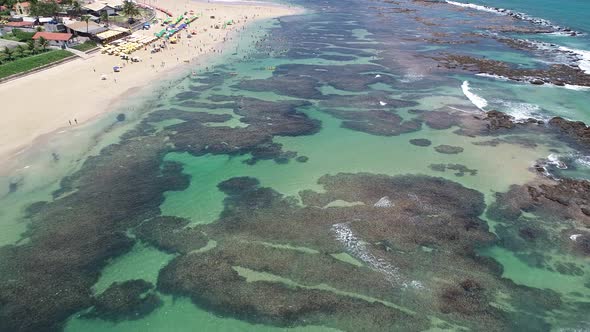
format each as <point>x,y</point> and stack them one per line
<point>56,36</point>
<point>19,24</point>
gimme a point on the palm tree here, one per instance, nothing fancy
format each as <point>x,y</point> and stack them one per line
<point>32,48</point>
<point>19,51</point>
<point>104,16</point>
<point>130,9</point>
<point>76,8</point>
<point>86,18</point>
<point>9,54</point>
<point>43,43</point>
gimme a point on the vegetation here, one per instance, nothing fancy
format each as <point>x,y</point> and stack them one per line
<point>104,17</point>
<point>7,3</point>
<point>32,62</point>
<point>76,8</point>
<point>22,36</point>
<point>130,9</point>
<point>44,8</point>
<point>87,45</point>
<point>21,51</point>
<point>86,18</point>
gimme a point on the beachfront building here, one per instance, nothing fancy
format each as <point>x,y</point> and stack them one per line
<point>117,4</point>
<point>98,8</point>
<point>112,34</point>
<point>80,28</point>
<point>56,38</point>
<point>22,8</point>
<point>23,25</point>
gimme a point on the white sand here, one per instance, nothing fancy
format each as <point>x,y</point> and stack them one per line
<point>44,102</point>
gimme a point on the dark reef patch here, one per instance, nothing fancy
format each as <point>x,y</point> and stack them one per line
<point>448,149</point>
<point>420,142</point>
<point>574,131</point>
<point>355,78</point>
<point>375,122</point>
<point>170,234</point>
<point>373,100</point>
<point>554,217</point>
<point>558,74</point>
<point>460,170</point>
<point>407,213</point>
<point>132,299</point>
<point>73,237</point>
<point>302,159</point>
<point>288,85</point>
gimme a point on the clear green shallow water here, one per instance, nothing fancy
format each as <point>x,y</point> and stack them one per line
<point>334,149</point>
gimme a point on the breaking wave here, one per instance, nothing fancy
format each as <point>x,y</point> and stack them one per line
<point>476,100</point>
<point>516,15</point>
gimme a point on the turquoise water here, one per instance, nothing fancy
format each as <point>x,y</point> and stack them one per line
<point>564,13</point>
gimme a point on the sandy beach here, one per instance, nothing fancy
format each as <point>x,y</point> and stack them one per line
<point>47,101</point>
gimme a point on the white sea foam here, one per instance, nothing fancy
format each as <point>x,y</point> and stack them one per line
<point>574,237</point>
<point>517,15</point>
<point>565,86</point>
<point>358,249</point>
<point>409,78</point>
<point>554,160</point>
<point>478,101</point>
<point>583,161</point>
<point>383,202</point>
<point>582,55</point>
<point>474,6</point>
<point>522,111</point>
<point>497,77</point>
<point>576,87</point>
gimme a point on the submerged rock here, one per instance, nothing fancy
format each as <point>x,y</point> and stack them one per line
<point>574,130</point>
<point>271,253</point>
<point>420,142</point>
<point>132,299</point>
<point>171,234</point>
<point>302,159</point>
<point>460,169</point>
<point>448,149</point>
<point>376,122</point>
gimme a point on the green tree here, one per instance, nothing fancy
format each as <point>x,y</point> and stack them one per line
<point>43,43</point>
<point>43,8</point>
<point>8,53</point>
<point>32,47</point>
<point>19,51</point>
<point>104,17</point>
<point>76,8</point>
<point>130,9</point>
<point>86,18</point>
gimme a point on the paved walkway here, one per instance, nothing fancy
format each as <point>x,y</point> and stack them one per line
<point>80,54</point>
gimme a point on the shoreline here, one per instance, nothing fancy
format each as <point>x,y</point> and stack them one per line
<point>42,104</point>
